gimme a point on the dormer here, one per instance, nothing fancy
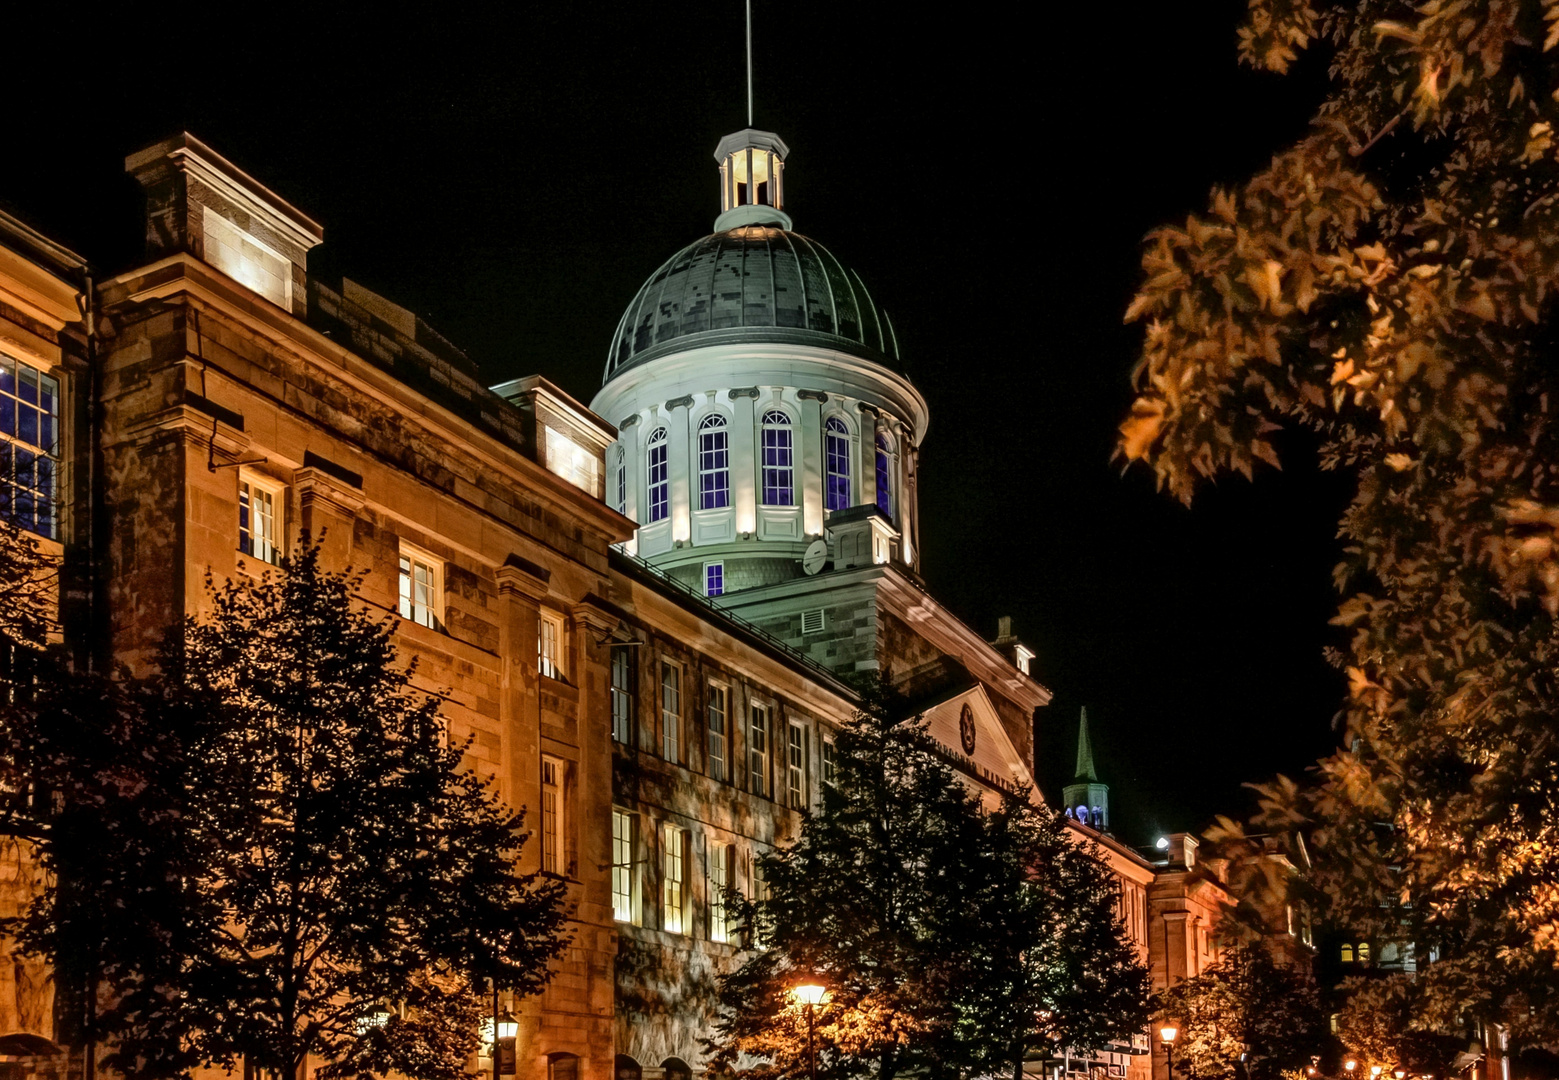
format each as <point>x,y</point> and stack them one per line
<point>200,203</point>
<point>752,180</point>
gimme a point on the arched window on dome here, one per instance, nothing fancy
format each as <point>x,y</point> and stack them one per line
<point>714,463</point>
<point>658,476</point>
<point>779,473</point>
<point>884,476</point>
<point>836,451</point>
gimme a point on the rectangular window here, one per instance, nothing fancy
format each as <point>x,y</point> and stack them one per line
<point>758,750</point>
<point>828,761</point>
<point>778,468</point>
<point>657,476</point>
<point>795,766</point>
<point>622,694</point>
<point>722,861</point>
<point>673,871</point>
<point>29,447</point>
<point>716,724</point>
<point>260,509</point>
<point>419,594</point>
<point>549,645</point>
<point>670,709</point>
<point>623,875</point>
<point>714,579</point>
<point>553,859</point>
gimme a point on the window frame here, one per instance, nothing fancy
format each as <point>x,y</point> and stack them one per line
<point>620,479</point>
<point>407,606</point>
<point>24,498</point>
<point>714,462</point>
<point>714,578</point>
<point>795,764</point>
<point>830,761</point>
<point>719,875</point>
<point>275,492</point>
<point>837,452</point>
<point>554,815</point>
<point>625,879</point>
<point>622,695</point>
<point>657,475</point>
<point>673,877</point>
<point>671,714</point>
<point>717,736</point>
<point>551,666</point>
<point>883,463</point>
<point>777,477</point>
<point>758,757</point>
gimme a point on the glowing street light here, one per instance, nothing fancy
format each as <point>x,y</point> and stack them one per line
<point>1350,1065</point>
<point>811,995</point>
<point>1166,1035</point>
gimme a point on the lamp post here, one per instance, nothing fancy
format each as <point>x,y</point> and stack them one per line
<point>1166,1035</point>
<point>811,995</point>
<point>505,1030</point>
<point>1350,1065</point>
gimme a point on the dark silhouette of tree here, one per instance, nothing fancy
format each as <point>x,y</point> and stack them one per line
<point>319,852</point>
<point>1245,1017</point>
<point>950,938</point>
<point>1387,284</point>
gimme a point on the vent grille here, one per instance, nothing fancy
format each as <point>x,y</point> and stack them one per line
<point>812,622</point>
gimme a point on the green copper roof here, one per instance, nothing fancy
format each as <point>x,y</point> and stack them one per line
<point>753,283</point>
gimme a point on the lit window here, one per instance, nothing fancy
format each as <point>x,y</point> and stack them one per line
<point>836,448</point>
<point>722,860</point>
<point>549,645</point>
<point>260,508</point>
<point>623,876</point>
<point>716,725</point>
<point>622,694</point>
<point>1347,954</point>
<point>670,709</point>
<point>1364,952</point>
<point>673,870</point>
<point>795,766</point>
<point>1024,657</point>
<point>620,481</point>
<point>29,447</point>
<point>419,594</point>
<point>884,477</point>
<point>778,466</point>
<point>552,857</point>
<point>571,461</point>
<point>714,579</point>
<point>758,750</point>
<point>714,464</point>
<point>829,764</point>
<point>658,476</point>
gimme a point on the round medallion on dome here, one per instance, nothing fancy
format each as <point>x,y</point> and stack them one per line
<point>753,283</point>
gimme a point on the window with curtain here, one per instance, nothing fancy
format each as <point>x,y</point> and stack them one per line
<point>778,460</point>
<point>714,463</point>
<point>657,475</point>
<point>836,451</point>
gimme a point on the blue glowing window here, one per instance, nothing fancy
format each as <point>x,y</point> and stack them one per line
<point>778,460</point>
<point>658,476</point>
<point>29,447</point>
<point>714,579</point>
<point>837,450</point>
<point>714,464</point>
<point>884,478</point>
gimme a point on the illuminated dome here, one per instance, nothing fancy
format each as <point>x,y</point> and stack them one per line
<point>752,283</point>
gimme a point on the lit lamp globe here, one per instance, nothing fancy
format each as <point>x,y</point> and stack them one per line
<point>1350,1065</point>
<point>1399,1072</point>
<point>1375,1071</point>
<point>507,1026</point>
<point>1167,1033</point>
<point>810,993</point>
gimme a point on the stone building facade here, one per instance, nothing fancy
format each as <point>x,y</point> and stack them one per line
<point>645,613</point>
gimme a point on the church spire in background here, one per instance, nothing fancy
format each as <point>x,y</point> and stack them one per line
<point>1085,769</point>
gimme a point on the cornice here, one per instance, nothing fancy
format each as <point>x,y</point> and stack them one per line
<point>37,293</point>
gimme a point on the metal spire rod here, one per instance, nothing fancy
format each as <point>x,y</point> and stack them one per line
<point>749,63</point>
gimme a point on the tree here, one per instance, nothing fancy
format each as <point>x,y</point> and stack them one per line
<point>1245,1017</point>
<point>326,854</point>
<point>1386,284</point>
<point>940,930</point>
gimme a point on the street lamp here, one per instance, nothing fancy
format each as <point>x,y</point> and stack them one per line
<point>505,1030</point>
<point>1375,1071</point>
<point>1350,1065</point>
<point>811,995</point>
<point>1166,1035</point>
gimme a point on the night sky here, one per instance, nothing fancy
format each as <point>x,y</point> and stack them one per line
<point>513,173</point>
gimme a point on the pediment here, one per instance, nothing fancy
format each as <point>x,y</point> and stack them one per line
<point>967,727</point>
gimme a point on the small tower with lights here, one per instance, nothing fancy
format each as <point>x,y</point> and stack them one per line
<point>1087,800</point>
<point>752,180</point>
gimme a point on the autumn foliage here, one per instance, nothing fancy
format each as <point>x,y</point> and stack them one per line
<point>1386,284</point>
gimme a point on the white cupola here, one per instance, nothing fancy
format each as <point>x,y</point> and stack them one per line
<point>752,180</point>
